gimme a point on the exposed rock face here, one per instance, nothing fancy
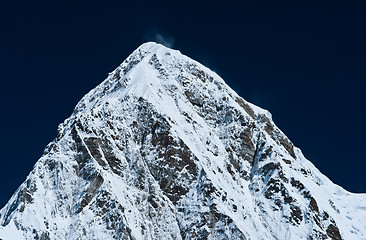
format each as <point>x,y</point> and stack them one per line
<point>164,149</point>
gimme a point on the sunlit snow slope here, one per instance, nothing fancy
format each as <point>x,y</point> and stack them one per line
<point>164,149</point>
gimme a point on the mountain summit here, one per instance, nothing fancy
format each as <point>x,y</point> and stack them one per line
<point>164,149</point>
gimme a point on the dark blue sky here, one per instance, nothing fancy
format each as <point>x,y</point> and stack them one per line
<point>304,63</point>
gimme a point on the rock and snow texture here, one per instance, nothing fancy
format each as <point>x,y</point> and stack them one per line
<point>164,149</point>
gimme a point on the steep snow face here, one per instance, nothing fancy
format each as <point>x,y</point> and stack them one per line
<point>164,149</point>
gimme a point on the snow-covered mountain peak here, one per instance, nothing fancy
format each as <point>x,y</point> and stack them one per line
<point>164,149</point>
<point>153,47</point>
<point>152,67</point>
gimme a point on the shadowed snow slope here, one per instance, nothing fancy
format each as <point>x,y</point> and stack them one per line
<point>164,149</point>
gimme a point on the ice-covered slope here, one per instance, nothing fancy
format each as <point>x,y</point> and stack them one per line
<point>164,149</point>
